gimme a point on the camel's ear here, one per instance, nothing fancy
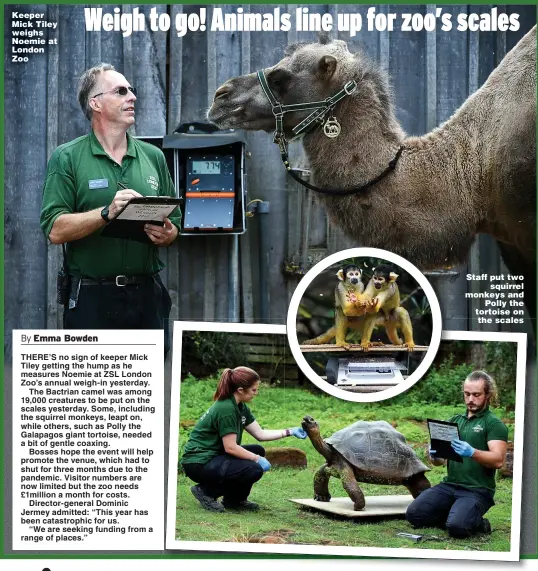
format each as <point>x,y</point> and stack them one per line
<point>340,275</point>
<point>327,66</point>
<point>393,277</point>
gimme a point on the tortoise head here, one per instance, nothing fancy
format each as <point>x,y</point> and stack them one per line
<point>310,426</point>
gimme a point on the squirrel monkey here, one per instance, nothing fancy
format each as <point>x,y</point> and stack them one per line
<point>349,305</point>
<point>383,289</point>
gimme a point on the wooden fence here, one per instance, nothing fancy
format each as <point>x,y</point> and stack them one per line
<point>270,356</point>
<point>432,74</point>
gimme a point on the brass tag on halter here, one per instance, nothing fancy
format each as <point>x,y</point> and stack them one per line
<point>332,128</point>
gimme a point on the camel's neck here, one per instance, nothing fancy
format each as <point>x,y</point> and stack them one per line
<point>363,149</point>
<point>430,195</point>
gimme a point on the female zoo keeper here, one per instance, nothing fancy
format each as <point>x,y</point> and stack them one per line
<point>214,457</point>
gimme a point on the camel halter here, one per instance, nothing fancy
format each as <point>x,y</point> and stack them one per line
<point>332,129</point>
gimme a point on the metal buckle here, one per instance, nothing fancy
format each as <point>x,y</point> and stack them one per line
<point>280,111</point>
<point>350,87</point>
<point>118,281</point>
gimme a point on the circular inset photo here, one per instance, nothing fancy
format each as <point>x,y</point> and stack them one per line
<point>364,324</point>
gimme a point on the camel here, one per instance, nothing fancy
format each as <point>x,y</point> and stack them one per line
<point>476,173</point>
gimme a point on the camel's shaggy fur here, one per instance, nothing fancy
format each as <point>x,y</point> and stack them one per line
<point>476,173</point>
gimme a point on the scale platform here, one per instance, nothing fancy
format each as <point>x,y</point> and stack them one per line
<point>376,506</point>
<point>332,348</point>
<point>364,371</point>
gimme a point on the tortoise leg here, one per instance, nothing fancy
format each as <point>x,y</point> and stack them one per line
<point>347,475</point>
<point>321,484</point>
<point>417,484</point>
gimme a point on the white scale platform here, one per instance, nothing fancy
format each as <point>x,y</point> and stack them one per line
<point>376,506</point>
<point>369,371</point>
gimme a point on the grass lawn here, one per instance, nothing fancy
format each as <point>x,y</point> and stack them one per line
<point>281,521</point>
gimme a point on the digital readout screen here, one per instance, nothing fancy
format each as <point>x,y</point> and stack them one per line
<point>206,167</point>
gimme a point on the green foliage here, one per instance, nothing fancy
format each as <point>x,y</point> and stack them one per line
<point>441,385</point>
<point>418,307</point>
<point>501,362</point>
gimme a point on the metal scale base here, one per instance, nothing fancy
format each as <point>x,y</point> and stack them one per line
<point>364,371</point>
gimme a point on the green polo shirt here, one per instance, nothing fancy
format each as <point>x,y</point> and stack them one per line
<point>222,418</point>
<point>80,177</point>
<point>477,430</point>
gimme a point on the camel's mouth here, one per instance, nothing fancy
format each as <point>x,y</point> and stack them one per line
<point>237,117</point>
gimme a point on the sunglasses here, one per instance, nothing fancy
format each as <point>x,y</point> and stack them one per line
<point>122,90</point>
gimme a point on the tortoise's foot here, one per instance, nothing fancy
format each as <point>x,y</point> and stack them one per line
<point>358,507</point>
<point>320,498</point>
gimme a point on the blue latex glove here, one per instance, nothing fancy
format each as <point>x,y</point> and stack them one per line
<point>264,463</point>
<point>298,433</point>
<point>462,448</point>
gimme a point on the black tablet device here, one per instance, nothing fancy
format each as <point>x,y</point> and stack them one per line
<point>441,435</point>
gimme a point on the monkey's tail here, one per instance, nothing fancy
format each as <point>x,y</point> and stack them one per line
<point>322,339</point>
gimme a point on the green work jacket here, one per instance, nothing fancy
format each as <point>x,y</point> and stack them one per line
<point>477,431</point>
<point>222,418</point>
<point>81,177</point>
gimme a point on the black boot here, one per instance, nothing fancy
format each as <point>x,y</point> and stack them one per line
<point>485,526</point>
<point>206,501</point>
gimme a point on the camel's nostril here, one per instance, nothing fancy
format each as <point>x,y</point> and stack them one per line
<point>222,91</point>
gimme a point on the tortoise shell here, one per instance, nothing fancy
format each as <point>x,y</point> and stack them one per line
<point>377,448</point>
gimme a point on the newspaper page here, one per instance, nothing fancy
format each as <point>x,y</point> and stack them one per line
<point>352,253</point>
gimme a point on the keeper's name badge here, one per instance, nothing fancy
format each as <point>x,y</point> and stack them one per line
<point>98,183</point>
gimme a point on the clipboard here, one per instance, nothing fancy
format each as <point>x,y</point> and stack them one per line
<point>441,435</point>
<point>130,221</point>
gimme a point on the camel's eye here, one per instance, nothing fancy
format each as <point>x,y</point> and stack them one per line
<point>279,78</point>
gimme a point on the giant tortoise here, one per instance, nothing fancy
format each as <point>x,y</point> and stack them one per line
<point>370,452</point>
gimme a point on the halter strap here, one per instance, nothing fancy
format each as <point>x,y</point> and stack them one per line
<point>333,192</point>
<point>321,109</point>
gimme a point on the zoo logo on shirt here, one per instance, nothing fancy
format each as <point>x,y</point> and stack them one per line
<point>153,182</point>
<point>243,420</point>
<point>478,429</point>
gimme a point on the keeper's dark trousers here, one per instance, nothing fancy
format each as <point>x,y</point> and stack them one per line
<point>108,306</point>
<point>228,476</point>
<point>458,509</point>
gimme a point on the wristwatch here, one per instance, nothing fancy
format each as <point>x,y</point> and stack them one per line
<point>104,214</point>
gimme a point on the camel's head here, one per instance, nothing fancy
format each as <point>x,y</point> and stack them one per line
<point>308,72</point>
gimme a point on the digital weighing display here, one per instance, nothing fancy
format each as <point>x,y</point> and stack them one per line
<point>210,192</point>
<point>211,173</point>
<point>206,167</point>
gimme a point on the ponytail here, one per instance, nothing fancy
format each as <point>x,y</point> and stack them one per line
<point>232,379</point>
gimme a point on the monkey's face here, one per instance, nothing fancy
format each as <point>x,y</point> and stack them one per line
<point>379,281</point>
<point>353,276</point>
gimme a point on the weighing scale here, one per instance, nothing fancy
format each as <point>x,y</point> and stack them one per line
<point>210,192</point>
<point>364,371</point>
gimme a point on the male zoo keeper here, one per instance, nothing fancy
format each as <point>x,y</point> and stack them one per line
<point>114,283</point>
<point>460,501</point>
